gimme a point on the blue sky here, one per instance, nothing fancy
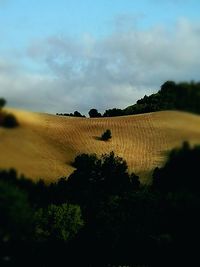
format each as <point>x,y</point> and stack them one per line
<point>22,20</point>
<point>81,49</point>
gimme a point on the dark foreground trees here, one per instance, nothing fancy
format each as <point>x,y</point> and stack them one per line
<point>102,216</point>
<point>15,214</point>
<point>98,177</point>
<point>58,222</point>
<point>31,228</point>
<point>181,171</point>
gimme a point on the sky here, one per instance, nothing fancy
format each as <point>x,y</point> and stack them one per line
<point>67,55</point>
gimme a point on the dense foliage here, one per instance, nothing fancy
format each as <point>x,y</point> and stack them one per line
<point>182,96</point>
<point>113,112</point>
<point>58,222</point>
<point>180,172</point>
<point>102,216</point>
<point>172,96</point>
<point>15,211</point>
<point>96,178</point>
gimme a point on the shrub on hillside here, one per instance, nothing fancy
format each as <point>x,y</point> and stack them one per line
<point>6,120</point>
<point>9,121</point>
<point>106,135</point>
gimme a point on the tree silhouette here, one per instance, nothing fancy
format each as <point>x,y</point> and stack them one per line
<point>93,113</point>
<point>77,114</point>
<point>96,177</point>
<point>9,121</point>
<point>180,173</point>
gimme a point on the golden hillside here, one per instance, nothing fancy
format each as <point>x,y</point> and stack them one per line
<point>45,145</point>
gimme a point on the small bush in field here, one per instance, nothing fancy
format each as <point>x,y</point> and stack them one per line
<point>9,121</point>
<point>106,135</point>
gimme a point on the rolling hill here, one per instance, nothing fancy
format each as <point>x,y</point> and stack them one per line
<point>45,145</point>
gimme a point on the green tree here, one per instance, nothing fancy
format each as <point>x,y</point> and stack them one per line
<point>15,213</point>
<point>59,223</point>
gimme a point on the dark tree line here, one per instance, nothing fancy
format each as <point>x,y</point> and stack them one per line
<point>103,216</point>
<point>184,96</point>
<point>172,96</point>
<point>75,114</point>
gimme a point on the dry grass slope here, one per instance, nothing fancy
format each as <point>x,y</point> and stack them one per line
<point>45,145</point>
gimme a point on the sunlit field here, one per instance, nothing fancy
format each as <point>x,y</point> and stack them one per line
<point>44,146</point>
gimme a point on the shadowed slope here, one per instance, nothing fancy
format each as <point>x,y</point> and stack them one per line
<point>45,145</point>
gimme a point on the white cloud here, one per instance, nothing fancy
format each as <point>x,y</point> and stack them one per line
<point>113,71</point>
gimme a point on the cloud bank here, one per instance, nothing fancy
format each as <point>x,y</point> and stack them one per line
<point>113,71</point>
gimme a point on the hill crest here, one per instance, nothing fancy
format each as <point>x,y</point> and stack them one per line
<point>45,145</point>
